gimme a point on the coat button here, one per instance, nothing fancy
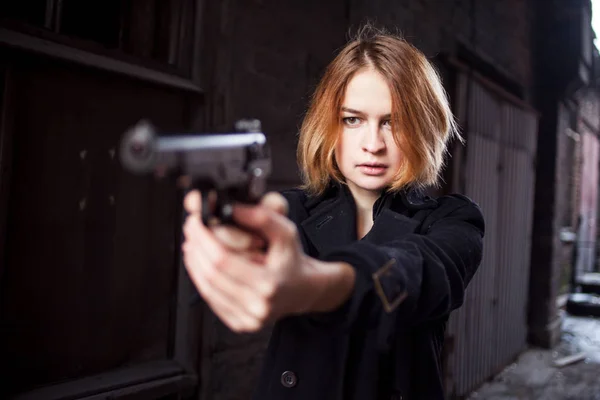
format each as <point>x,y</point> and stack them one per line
<point>289,379</point>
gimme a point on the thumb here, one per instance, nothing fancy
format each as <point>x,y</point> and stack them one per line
<point>192,202</point>
<point>276,202</point>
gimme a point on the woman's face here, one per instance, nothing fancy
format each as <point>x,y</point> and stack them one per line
<point>367,154</point>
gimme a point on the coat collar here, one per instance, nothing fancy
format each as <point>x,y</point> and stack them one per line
<point>332,216</point>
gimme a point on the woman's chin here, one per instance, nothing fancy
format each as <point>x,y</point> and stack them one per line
<point>372,184</point>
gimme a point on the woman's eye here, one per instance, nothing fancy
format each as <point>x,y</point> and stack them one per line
<point>387,123</point>
<point>351,121</point>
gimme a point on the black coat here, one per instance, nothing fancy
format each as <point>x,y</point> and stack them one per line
<point>386,341</point>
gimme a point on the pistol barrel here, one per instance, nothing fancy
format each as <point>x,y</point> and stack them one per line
<point>223,160</point>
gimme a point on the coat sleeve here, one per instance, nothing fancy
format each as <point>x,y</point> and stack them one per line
<point>413,279</point>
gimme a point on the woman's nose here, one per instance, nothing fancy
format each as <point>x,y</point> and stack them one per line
<point>373,140</point>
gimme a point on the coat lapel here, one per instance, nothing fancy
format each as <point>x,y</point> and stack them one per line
<point>390,225</point>
<point>391,220</point>
<point>332,222</point>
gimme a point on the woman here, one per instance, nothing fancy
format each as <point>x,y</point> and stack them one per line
<point>361,269</point>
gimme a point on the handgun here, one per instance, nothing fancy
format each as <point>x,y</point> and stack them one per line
<point>227,168</point>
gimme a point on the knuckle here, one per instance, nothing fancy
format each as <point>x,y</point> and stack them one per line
<point>247,326</point>
<point>210,273</point>
<point>255,327</point>
<point>262,311</point>
<point>235,327</point>
<point>220,258</point>
<point>261,216</point>
<point>269,289</point>
<point>291,231</point>
<point>252,325</point>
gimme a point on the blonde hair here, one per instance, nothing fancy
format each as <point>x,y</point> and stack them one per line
<point>422,120</point>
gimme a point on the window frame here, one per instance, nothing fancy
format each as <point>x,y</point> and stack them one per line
<point>48,42</point>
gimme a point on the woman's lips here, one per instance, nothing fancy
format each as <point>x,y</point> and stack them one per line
<point>373,169</point>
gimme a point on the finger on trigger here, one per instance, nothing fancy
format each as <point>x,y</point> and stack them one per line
<point>275,202</point>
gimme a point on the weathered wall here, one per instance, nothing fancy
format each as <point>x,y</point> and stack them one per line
<point>588,127</point>
<point>499,31</point>
<point>589,201</point>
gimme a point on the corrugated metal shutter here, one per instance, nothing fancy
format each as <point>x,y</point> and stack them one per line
<point>490,329</point>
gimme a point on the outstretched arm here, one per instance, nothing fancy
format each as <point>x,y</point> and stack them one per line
<point>416,278</point>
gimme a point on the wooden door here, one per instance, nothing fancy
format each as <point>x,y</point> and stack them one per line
<point>94,302</point>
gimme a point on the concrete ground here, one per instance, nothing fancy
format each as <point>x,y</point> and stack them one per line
<point>534,376</point>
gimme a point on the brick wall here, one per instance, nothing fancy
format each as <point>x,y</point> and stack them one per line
<point>499,31</point>
<point>263,59</point>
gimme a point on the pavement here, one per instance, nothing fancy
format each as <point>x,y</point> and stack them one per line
<point>535,377</point>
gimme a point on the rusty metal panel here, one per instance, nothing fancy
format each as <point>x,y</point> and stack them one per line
<point>588,202</point>
<point>514,232</point>
<point>471,330</point>
<point>490,329</point>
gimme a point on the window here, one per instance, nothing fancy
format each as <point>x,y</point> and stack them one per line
<point>156,33</point>
<point>29,11</point>
<point>97,21</point>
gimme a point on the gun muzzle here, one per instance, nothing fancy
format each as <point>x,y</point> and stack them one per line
<point>138,148</point>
